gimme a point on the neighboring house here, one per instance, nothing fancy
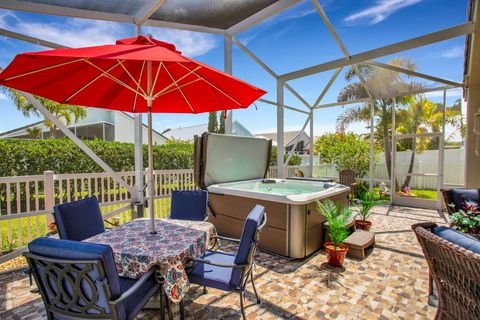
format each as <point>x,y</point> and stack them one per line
<point>187,133</point>
<point>289,140</point>
<point>102,124</point>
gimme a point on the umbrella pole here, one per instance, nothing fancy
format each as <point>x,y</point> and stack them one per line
<point>151,182</point>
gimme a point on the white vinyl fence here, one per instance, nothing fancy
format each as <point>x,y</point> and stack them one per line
<point>425,162</point>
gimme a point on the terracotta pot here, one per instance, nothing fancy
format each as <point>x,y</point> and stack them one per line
<point>363,225</point>
<point>335,256</point>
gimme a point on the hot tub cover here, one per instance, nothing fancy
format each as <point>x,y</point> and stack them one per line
<point>221,158</point>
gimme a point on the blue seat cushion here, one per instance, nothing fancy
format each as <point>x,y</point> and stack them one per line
<point>458,238</point>
<point>461,196</point>
<point>213,276</point>
<point>135,302</point>
<point>79,220</point>
<point>189,205</point>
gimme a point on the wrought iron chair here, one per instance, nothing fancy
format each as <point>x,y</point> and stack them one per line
<point>231,272</point>
<point>189,205</point>
<point>347,178</point>
<point>454,262</point>
<point>79,220</point>
<point>79,280</point>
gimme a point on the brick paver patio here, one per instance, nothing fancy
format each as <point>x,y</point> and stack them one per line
<point>391,283</point>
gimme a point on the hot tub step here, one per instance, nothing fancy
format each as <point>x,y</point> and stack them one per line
<point>359,242</point>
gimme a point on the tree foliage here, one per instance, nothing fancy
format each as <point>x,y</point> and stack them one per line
<point>221,126</point>
<point>345,151</point>
<point>68,114</point>
<point>212,122</point>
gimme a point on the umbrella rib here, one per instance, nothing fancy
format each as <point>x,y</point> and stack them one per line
<point>106,74</point>
<point>89,83</point>
<point>42,69</point>
<point>212,85</point>
<point>131,77</point>
<point>173,83</point>
<point>156,77</point>
<point>181,86</point>
<point>180,89</point>
<point>139,80</point>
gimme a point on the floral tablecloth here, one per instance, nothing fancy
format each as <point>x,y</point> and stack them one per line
<point>136,250</point>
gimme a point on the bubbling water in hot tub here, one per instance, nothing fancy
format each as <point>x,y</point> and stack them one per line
<point>280,187</point>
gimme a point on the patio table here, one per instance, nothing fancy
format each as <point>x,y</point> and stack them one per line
<point>176,242</point>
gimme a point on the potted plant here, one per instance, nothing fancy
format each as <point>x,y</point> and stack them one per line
<point>336,217</point>
<point>466,220</point>
<point>365,205</point>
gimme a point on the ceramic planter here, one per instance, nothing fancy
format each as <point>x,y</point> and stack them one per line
<point>363,225</point>
<point>335,256</point>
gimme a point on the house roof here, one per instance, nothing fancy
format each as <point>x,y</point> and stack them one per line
<point>187,133</point>
<point>9,132</point>
<point>287,137</point>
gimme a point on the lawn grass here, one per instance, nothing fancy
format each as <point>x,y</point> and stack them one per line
<point>425,194</point>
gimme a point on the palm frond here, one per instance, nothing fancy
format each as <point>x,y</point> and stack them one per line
<point>352,115</point>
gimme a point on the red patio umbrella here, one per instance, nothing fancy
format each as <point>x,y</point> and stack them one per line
<point>138,74</point>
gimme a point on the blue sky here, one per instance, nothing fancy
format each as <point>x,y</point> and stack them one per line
<point>293,39</point>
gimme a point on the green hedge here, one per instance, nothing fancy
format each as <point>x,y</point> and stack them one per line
<point>31,157</point>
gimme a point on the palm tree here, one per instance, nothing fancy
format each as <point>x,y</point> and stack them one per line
<point>68,114</point>
<point>35,132</point>
<point>382,84</point>
<point>414,115</point>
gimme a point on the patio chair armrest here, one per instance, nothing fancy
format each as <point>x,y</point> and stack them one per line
<point>135,287</point>
<point>219,264</point>
<point>226,238</point>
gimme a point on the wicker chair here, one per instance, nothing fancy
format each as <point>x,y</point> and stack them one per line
<point>447,198</point>
<point>456,272</point>
<point>347,178</point>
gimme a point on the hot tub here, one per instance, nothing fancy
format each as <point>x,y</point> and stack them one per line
<point>233,168</point>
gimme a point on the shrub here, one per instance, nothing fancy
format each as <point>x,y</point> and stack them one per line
<point>345,151</point>
<point>32,157</point>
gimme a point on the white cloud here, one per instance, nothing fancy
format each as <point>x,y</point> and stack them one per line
<point>379,11</point>
<point>190,43</point>
<point>454,52</point>
<point>3,96</point>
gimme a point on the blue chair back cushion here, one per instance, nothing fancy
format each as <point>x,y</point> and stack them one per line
<point>79,220</point>
<point>461,196</point>
<point>458,238</point>
<point>247,240</point>
<point>189,205</point>
<point>74,250</point>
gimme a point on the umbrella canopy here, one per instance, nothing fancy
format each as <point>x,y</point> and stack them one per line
<point>126,76</point>
<point>138,74</point>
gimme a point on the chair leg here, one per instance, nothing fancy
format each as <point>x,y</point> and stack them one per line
<point>242,309</point>
<point>254,288</point>
<point>182,310</point>
<point>169,308</point>
<point>162,305</point>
